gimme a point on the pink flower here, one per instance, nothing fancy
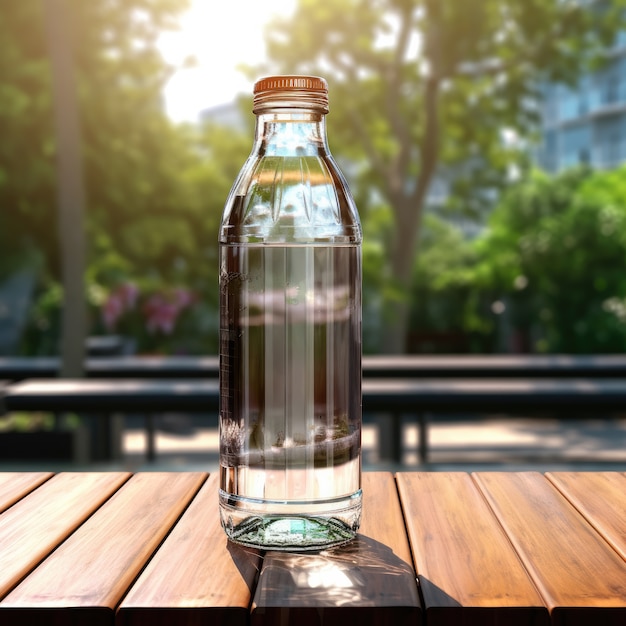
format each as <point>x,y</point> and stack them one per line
<point>161,314</point>
<point>112,311</point>
<point>128,292</point>
<point>161,310</point>
<point>183,298</point>
<point>120,300</point>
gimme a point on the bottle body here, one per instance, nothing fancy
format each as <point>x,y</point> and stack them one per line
<point>290,347</point>
<point>291,396</point>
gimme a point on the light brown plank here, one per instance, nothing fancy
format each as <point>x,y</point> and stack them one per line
<point>38,523</point>
<point>601,498</point>
<point>468,572</point>
<point>85,578</point>
<point>15,485</point>
<point>197,576</point>
<point>369,581</point>
<point>581,578</point>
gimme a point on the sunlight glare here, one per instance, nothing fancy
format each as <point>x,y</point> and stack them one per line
<point>220,36</point>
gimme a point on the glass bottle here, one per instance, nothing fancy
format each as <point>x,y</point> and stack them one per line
<point>290,332</point>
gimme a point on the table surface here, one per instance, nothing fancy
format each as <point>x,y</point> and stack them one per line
<point>434,548</point>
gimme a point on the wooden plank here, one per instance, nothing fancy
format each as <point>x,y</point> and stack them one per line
<point>196,576</point>
<point>15,485</point>
<point>153,367</point>
<point>489,394</point>
<point>385,366</point>
<point>379,394</point>
<point>369,581</point>
<point>468,572</point>
<point>38,523</point>
<point>495,365</point>
<point>84,579</point>
<point>581,578</point>
<point>601,498</point>
<point>102,395</point>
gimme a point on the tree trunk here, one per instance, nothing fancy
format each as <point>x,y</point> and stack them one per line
<point>402,257</point>
<point>408,209</point>
<point>71,196</point>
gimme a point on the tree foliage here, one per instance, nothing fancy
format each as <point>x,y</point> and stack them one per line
<point>546,275</point>
<point>155,191</point>
<point>425,88</point>
<point>554,254</point>
<point>443,293</point>
<point>119,75</point>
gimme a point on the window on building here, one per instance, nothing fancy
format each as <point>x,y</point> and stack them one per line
<point>574,146</point>
<point>608,141</point>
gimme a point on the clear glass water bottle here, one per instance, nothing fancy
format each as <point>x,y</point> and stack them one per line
<point>290,332</point>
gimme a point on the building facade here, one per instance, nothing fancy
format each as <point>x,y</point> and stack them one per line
<point>587,124</point>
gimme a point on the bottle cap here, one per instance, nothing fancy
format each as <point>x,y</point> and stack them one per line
<point>290,91</point>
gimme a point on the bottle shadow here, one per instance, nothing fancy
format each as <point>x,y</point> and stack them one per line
<point>364,575</point>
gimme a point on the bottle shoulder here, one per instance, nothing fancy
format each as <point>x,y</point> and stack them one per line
<point>290,198</point>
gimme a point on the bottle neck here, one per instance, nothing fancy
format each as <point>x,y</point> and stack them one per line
<point>292,132</point>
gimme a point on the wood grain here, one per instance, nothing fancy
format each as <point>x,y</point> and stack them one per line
<point>38,523</point>
<point>197,576</point>
<point>581,578</point>
<point>468,571</point>
<point>15,485</point>
<point>601,498</point>
<point>85,578</point>
<point>490,549</point>
<point>369,581</point>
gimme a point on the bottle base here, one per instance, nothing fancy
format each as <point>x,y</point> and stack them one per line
<point>293,526</point>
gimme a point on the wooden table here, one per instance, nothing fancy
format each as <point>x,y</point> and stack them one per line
<point>434,548</point>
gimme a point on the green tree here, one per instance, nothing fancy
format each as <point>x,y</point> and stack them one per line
<point>172,244</point>
<point>443,294</point>
<point>426,87</point>
<point>153,202</point>
<point>119,75</point>
<point>554,255</point>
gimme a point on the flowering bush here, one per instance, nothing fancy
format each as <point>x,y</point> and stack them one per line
<point>121,301</point>
<point>149,317</point>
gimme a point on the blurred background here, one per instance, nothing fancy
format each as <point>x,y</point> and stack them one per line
<point>484,141</point>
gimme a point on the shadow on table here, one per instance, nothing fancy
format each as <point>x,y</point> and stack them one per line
<point>365,575</point>
<point>247,561</point>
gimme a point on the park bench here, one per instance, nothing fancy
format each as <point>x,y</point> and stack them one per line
<point>424,399</point>
<point>374,366</point>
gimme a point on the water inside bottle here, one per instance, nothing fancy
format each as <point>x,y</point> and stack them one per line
<point>290,417</point>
